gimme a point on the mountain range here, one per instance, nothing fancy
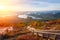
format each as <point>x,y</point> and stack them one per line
<point>32,15</point>
<point>45,14</point>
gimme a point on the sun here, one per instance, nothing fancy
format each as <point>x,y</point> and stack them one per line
<point>4,12</point>
<point>2,7</point>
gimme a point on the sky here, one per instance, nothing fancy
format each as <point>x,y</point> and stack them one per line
<point>29,5</point>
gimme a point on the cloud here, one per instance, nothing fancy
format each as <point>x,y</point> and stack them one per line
<point>36,5</point>
<point>23,16</point>
<point>30,5</point>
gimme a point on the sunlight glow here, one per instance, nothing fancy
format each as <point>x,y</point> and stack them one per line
<point>2,7</point>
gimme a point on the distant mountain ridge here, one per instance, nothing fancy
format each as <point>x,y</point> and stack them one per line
<point>45,14</point>
<point>32,15</point>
